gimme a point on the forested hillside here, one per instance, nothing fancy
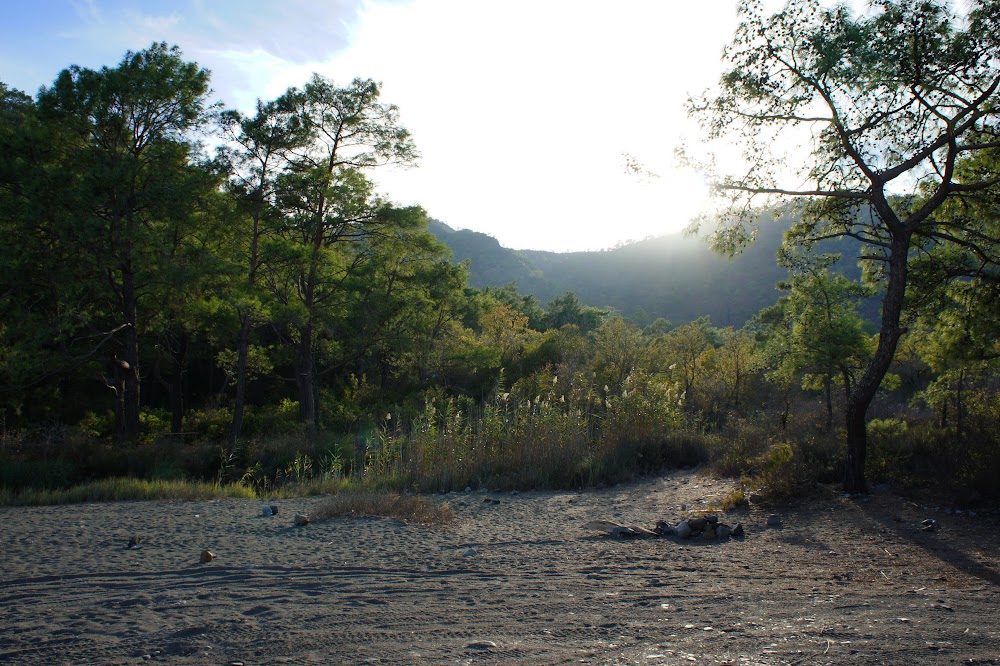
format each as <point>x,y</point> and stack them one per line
<point>677,277</point>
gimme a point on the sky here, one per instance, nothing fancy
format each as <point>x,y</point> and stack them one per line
<point>523,110</point>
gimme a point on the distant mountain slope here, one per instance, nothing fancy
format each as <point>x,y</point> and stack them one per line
<point>675,277</point>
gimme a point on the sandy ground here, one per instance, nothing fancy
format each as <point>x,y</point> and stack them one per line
<point>843,581</point>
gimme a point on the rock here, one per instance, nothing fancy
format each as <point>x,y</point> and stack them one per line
<point>267,512</point>
<point>724,531</point>
<point>468,489</point>
<point>274,510</point>
<point>514,492</point>
<point>663,528</point>
<point>301,519</point>
<point>470,552</point>
<point>485,646</point>
<point>134,543</point>
<point>682,529</point>
<point>738,532</point>
<point>207,556</point>
<point>928,525</point>
<point>697,524</point>
<point>712,518</point>
<point>774,520</point>
<point>709,532</point>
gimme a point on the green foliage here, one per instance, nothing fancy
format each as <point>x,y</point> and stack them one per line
<point>210,424</point>
<point>814,335</point>
<point>904,93</point>
<point>96,426</point>
<point>777,474</point>
<point>291,331</point>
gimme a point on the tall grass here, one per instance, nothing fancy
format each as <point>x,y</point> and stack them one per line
<point>573,434</point>
<point>553,432</point>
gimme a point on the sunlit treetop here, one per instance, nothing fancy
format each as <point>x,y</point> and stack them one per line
<point>885,102</point>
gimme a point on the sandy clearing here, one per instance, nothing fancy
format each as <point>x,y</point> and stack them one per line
<point>844,581</point>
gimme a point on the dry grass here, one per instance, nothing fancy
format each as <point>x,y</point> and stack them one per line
<point>124,489</point>
<point>366,504</point>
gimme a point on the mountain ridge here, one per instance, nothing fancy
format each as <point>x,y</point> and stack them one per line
<point>671,276</point>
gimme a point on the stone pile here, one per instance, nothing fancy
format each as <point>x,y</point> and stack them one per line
<point>705,527</point>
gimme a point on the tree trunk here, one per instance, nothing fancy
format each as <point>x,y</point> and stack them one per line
<point>959,406</point>
<point>305,378</point>
<point>828,386</point>
<point>242,351</point>
<point>247,317</point>
<point>177,384</point>
<point>127,428</point>
<point>889,333</point>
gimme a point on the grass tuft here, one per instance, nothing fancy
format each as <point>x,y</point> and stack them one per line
<point>367,504</point>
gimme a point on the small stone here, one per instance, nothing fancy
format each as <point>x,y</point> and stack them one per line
<point>724,531</point>
<point>712,518</point>
<point>738,532</point>
<point>267,512</point>
<point>274,510</point>
<point>301,519</point>
<point>468,489</point>
<point>663,528</point>
<point>774,520</point>
<point>485,646</point>
<point>682,529</point>
<point>928,525</point>
<point>470,552</point>
<point>514,492</point>
<point>134,543</point>
<point>697,524</point>
<point>207,556</point>
<point>709,532</point>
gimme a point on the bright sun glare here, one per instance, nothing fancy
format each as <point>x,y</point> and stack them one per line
<point>523,112</point>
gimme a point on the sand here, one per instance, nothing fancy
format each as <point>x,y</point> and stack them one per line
<point>843,581</point>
